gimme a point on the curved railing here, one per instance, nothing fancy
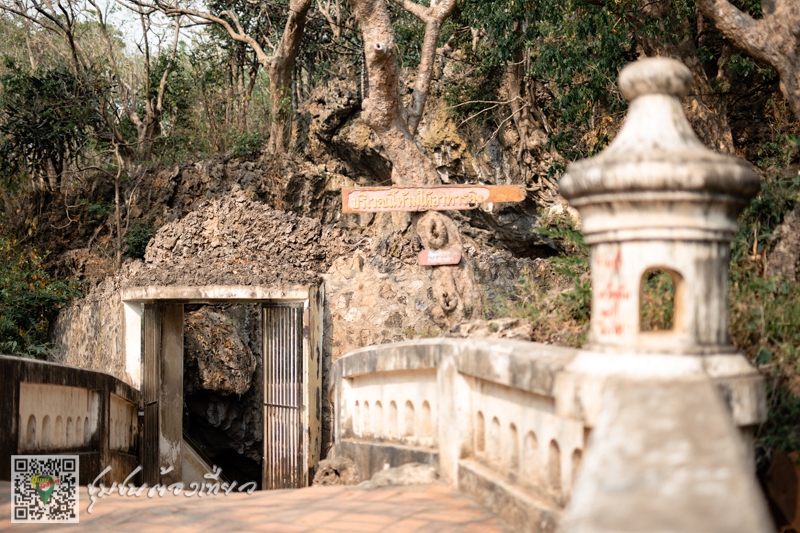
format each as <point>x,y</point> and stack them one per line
<point>482,411</point>
<point>53,409</point>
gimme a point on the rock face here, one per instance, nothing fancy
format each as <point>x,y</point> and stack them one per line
<point>499,328</point>
<point>785,257</point>
<point>375,292</point>
<point>89,333</point>
<point>336,471</point>
<point>236,241</point>
<point>215,357</point>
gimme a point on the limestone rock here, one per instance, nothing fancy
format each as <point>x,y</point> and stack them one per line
<point>786,255</point>
<point>336,471</point>
<point>407,474</point>
<point>216,356</point>
<point>499,328</point>
<point>236,241</point>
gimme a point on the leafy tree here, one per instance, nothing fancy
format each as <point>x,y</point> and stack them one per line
<point>47,119</point>
<point>29,299</point>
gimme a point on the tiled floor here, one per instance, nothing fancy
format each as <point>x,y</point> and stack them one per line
<point>422,508</point>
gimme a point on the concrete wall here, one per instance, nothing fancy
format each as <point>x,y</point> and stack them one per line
<point>482,411</point>
<point>47,408</point>
<point>90,332</point>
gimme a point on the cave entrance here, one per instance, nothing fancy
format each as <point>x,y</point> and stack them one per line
<point>288,379</point>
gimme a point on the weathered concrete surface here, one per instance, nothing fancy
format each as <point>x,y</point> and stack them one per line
<point>664,457</point>
<point>32,390</point>
<point>170,399</point>
<point>371,459</point>
<point>406,474</point>
<point>193,466</point>
<point>482,410</point>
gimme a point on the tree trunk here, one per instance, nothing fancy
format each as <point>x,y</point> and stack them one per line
<point>454,287</point>
<point>117,214</point>
<point>281,67</point>
<point>146,134</point>
<point>774,39</point>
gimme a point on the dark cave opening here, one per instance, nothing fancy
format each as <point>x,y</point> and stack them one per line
<point>223,388</point>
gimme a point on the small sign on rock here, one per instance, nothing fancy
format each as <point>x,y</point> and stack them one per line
<point>440,198</point>
<point>450,256</point>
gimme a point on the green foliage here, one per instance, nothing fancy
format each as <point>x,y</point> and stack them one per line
<point>573,264</point>
<point>248,144</point>
<point>556,296</point>
<point>47,118</point>
<point>751,7</point>
<point>781,429</point>
<point>741,66</point>
<point>99,212</point>
<point>576,47</point>
<point>471,101</point>
<point>657,301</point>
<point>780,152</point>
<point>137,238</point>
<point>29,299</point>
<point>765,312</point>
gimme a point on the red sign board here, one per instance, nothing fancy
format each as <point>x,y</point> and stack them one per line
<point>442,198</point>
<point>450,256</point>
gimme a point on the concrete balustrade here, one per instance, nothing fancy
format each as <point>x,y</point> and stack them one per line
<point>123,426</point>
<point>56,417</point>
<point>503,428</point>
<point>396,407</point>
<point>65,410</point>
<point>482,411</point>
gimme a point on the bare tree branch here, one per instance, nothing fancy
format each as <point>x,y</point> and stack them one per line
<point>774,39</point>
<point>433,17</point>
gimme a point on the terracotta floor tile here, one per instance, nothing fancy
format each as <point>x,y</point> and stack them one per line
<point>367,517</point>
<point>365,527</point>
<point>436,509</point>
<point>317,518</point>
<point>407,526</point>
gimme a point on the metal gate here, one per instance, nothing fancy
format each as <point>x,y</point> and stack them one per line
<point>151,388</point>
<point>283,396</point>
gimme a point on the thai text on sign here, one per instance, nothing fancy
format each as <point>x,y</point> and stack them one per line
<point>443,198</point>
<point>450,256</point>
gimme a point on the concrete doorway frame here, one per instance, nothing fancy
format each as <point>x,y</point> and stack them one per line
<point>163,401</point>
